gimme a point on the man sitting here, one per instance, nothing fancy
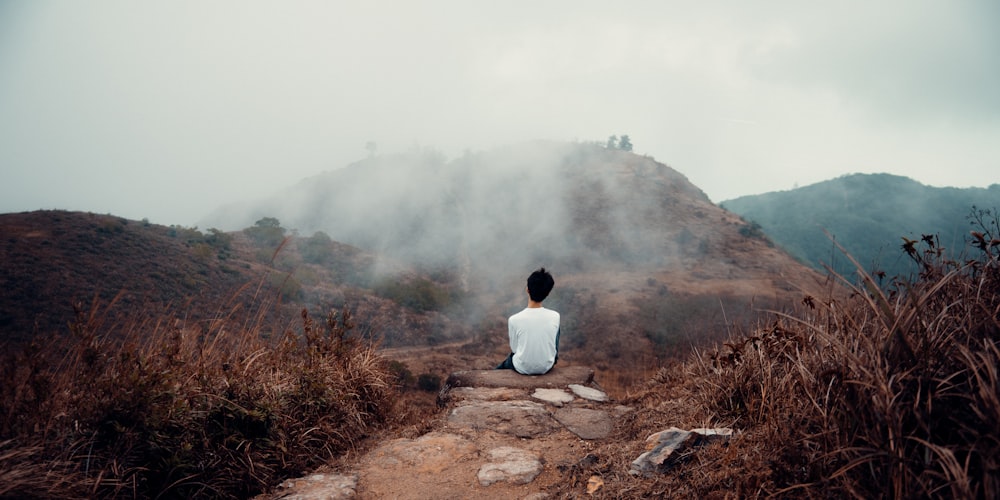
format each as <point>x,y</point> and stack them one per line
<point>534,332</point>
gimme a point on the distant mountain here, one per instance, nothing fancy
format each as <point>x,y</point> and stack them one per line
<point>641,256</point>
<point>868,214</point>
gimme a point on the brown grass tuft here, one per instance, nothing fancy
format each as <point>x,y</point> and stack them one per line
<point>176,408</point>
<point>888,393</point>
<point>883,392</point>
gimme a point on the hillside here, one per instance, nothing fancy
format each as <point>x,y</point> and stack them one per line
<point>645,264</point>
<point>55,260</point>
<point>831,398</point>
<point>868,214</point>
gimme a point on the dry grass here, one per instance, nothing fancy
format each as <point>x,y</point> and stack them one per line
<point>889,392</point>
<point>172,408</point>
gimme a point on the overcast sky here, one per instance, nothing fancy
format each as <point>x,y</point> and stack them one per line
<point>166,110</point>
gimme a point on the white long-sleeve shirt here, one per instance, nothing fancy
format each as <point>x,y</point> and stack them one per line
<point>533,335</point>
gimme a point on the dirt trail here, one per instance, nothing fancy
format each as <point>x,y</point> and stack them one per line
<point>501,435</point>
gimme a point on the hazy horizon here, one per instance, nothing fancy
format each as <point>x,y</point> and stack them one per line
<point>167,111</point>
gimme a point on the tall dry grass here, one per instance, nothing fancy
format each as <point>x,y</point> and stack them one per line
<point>173,408</point>
<point>890,392</point>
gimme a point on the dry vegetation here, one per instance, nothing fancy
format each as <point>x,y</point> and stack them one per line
<point>175,410</point>
<point>892,392</point>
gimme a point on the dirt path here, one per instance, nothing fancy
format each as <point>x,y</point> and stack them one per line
<point>501,435</point>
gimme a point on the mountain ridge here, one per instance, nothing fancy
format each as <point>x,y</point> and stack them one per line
<point>868,214</point>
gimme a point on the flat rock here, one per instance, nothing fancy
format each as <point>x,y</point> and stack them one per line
<point>525,419</point>
<point>554,396</point>
<point>558,377</point>
<point>510,464</point>
<point>319,487</point>
<point>585,423</point>
<point>431,453</point>
<point>588,393</point>
<point>487,394</point>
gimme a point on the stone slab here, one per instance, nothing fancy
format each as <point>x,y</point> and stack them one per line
<point>319,487</point>
<point>585,423</point>
<point>487,394</point>
<point>509,464</point>
<point>558,377</point>
<point>524,419</point>
<point>588,393</point>
<point>555,397</point>
<point>431,453</point>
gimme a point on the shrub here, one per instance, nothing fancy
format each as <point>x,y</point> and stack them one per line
<point>753,230</point>
<point>428,382</point>
<point>266,233</point>
<point>886,393</point>
<point>159,408</point>
<point>419,294</point>
<point>316,250</point>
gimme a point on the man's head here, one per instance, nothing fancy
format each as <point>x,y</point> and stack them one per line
<point>540,283</point>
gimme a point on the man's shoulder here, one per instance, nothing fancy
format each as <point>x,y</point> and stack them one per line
<point>534,312</point>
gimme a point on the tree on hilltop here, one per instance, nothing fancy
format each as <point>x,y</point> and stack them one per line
<point>624,143</point>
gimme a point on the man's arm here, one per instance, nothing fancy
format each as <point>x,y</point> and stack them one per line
<point>558,332</point>
<point>512,336</point>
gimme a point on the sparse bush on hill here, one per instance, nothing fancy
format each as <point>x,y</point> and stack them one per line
<point>182,411</point>
<point>675,321</point>
<point>419,294</point>
<point>317,249</point>
<point>266,232</point>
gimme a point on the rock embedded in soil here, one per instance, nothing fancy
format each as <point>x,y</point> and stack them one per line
<point>524,419</point>
<point>510,464</point>
<point>558,377</point>
<point>553,396</point>
<point>319,487</point>
<point>486,394</point>
<point>431,453</point>
<point>585,423</point>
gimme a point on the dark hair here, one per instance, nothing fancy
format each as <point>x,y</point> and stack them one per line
<point>540,283</point>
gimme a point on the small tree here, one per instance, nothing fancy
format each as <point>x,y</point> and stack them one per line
<point>266,232</point>
<point>612,142</point>
<point>625,144</point>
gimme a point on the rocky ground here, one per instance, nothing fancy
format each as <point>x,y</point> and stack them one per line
<point>499,435</point>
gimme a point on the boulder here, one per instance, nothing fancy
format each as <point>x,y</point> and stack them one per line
<point>667,447</point>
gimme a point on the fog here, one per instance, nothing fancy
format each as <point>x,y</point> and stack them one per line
<point>573,206</point>
<point>168,110</point>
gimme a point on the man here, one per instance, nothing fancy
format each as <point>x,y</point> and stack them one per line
<point>534,332</point>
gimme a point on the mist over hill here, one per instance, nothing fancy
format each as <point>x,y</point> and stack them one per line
<point>868,214</point>
<point>640,254</point>
<point>575,207</point>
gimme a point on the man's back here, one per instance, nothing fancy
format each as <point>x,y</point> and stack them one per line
<point>534,337</point>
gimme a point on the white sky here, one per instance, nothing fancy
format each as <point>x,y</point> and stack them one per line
<point>167,110</point>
